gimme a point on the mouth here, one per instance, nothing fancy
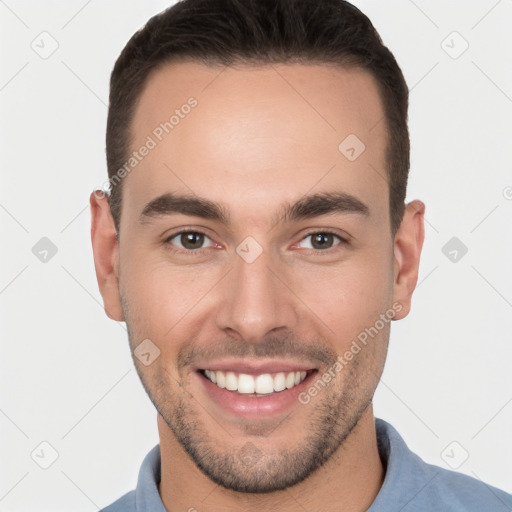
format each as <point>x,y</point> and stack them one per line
<point>251,391</point>
<point>262,384</point>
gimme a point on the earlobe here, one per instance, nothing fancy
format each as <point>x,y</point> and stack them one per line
<point>106,253</point>
<point>407,251</point>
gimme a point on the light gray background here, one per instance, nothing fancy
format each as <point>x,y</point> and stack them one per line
<point>66,374</point>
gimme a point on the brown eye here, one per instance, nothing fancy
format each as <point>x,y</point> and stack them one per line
<point>321,240</point>
<point>189,240</point>
<point>192,240</point>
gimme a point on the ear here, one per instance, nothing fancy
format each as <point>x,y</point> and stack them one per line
<point>105,249</point>
<point>407,250</point>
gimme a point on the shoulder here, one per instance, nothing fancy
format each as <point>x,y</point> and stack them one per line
<point>457,491</point>
<point>125,503</point>
<point>419,486</point>
<point>145,496</point>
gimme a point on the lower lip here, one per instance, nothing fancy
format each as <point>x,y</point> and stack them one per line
<point>251,405</point>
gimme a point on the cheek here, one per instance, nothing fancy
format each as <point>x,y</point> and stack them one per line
<point>163,297</point>
<point>348,298</point>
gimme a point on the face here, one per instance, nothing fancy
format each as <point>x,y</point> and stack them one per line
<point>255,255</point>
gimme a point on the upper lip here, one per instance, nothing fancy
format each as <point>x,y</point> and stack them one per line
<point>255,367</point>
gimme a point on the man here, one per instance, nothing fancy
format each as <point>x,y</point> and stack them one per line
<point>256,242</point>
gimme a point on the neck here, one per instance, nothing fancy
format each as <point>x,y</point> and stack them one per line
<point>355,472</point>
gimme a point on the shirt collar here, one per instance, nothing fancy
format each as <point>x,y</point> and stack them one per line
<point>406,473</point>
<point>147,497</point>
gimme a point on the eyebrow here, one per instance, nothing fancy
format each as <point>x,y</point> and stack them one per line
<point>324,203</point>
<point>168,204</point>
<point>315,205</point>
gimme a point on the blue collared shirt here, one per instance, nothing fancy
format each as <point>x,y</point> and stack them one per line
<point>410,484</point>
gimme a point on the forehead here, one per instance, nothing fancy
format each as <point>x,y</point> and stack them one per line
<point>257,135</point>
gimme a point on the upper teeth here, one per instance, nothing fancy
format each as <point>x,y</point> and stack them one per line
<point>261,384</point>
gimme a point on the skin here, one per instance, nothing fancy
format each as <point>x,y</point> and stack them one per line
<point>260,137</point>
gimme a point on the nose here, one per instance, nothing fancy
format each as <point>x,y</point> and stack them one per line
<point>256,300</point>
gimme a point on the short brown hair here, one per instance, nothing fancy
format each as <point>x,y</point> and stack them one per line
<point>258,32</point>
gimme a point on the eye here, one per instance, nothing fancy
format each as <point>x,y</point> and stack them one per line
<point>189,240</point>
<point>322,240</point>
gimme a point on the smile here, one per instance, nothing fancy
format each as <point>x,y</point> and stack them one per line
<point>262,384</point>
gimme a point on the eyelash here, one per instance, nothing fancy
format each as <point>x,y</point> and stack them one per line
<point>342,241</point>
<point>191,252</point>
